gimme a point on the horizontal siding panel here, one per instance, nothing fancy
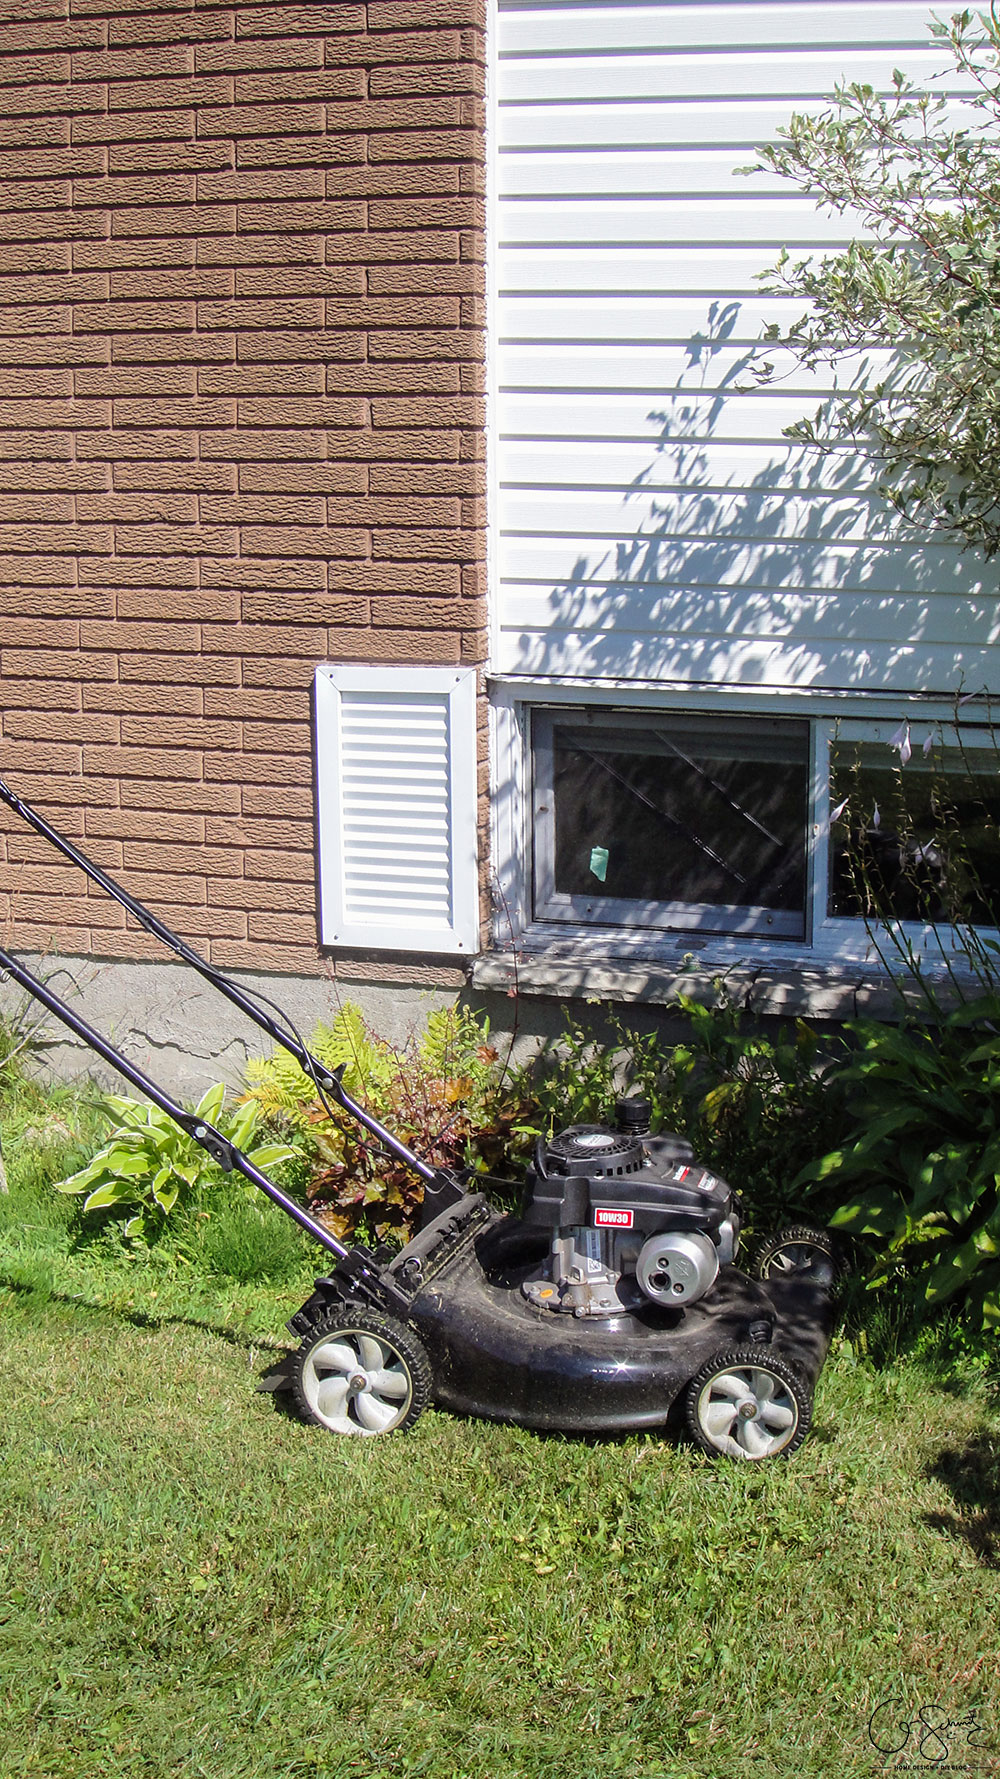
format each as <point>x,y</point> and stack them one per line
<point>739,122</point>
<point>714,271</point>
<point>928,619</point>
<point>636,221</point>
<point>733,514</point>
<point>565,30</point>
<point>586,566</point>
<point>661,317</point>
<point>736,662</point>
<point>800,76</point>
<point>708,369</point>
<point>629,173</point>
<point>709,465</point>
<point>689,415</point>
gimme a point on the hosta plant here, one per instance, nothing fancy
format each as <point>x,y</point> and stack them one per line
<point>919,1169</point>
<point>150,1164</point>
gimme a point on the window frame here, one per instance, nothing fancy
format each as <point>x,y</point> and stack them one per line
<point>840,935</point>
<point>828,941</point>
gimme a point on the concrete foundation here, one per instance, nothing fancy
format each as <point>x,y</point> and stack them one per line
<point>186,1035</point>
<point>180,1030</point>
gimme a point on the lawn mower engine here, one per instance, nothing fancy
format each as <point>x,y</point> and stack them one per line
<point>633,1218</point>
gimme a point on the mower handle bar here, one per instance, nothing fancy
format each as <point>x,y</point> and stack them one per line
<point>325,1079</point>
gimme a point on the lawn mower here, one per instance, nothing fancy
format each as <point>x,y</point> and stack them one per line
<point>612,1303</point>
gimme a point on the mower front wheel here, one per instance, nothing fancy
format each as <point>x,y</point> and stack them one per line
<point>747,1402</point>
<point>361,1372</point>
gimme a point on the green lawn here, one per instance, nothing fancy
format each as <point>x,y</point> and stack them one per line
<point>193,1583</point>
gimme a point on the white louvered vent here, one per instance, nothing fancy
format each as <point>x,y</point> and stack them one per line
<point>396,762</point>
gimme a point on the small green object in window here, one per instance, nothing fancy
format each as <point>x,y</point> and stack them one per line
<point>599,862</point>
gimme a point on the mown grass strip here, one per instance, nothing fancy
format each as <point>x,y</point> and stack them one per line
<point>193,1582</point>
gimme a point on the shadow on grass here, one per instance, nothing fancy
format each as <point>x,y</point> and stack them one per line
<point>40,1296</point>
<point>972,1477</point>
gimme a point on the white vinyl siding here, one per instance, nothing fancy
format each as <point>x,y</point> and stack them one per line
<point>653,523</point>
<point>396,770</point>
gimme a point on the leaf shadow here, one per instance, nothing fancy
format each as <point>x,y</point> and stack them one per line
<point>971,1474</point>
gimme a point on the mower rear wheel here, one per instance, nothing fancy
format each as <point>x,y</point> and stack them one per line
<point>746,1402</point>
<point>797,1249</point>
<point>361,1372</point>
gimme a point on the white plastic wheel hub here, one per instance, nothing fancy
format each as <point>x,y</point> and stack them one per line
<point>356,1382</point>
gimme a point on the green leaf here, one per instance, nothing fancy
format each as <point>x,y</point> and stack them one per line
<point>128,1111</point>
<point>714,1103</point>
<point>94,1170</point>
<point>986,1239</point>
<point>951,1273</point>
<point>869,1213</point>
<point>165,1195</point>
<point>114,1192</point>
<point>270,1154</point>
<point>209,1107</point>
<point>243,1125</point>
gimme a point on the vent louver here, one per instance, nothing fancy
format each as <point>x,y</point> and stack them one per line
<point>396,764</point>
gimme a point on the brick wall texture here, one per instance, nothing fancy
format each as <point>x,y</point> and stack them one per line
<point>241,432</point>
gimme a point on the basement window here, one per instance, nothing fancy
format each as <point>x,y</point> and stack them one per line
<point>671,820</point>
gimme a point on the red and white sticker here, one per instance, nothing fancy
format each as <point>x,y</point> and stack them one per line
<point>605,1218</point>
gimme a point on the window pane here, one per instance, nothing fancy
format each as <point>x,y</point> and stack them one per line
<point>918,841</point>
<point>681,810</point>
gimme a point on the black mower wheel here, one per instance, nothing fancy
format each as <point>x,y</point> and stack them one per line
<point>358,1371</point>
<point>797,1249</point>
<point>747,1402</point>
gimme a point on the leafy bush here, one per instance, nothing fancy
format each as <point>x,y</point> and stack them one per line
<point>892,1134</point>
<point>754,1106</point>
<point>923,283</point>
<point>920,1160</point>
<point>150,1163</point>
<point>440,1095</point>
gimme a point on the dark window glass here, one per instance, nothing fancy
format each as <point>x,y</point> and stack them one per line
<point>918,841</point>
<point>681,810</point>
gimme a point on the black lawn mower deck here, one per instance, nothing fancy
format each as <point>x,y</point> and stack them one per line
<point>496,1356</point>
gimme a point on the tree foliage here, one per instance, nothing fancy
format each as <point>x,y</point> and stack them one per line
<point>921,172</point>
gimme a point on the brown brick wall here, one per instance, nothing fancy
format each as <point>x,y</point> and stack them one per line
<point>241,431</point>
